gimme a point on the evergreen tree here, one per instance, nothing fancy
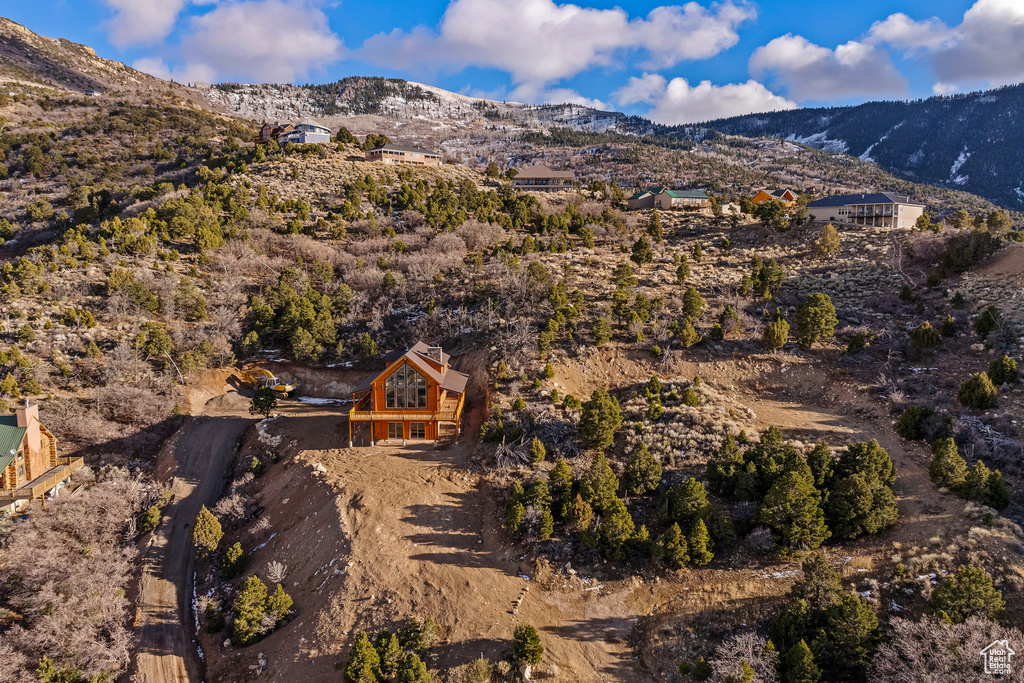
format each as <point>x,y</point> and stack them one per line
<point>850,630</point>
<point>364,662</point>
<point>978,392</point>
<point>776,334</point>
<point>815,320</point>
<point>537,450</point>
<point>600,419</point>
<point>975,485</point>
<point>599,485</point>
<point>723,469</point>
<point>560,486</point>
<point>799,665</point>
<point>389,653</point>
<point>827,243</point>
<point>687,502</point>
<point>602,331</point>
<point>233,562</point>
<point>765,462</point>
<point>682,270</point>
<point>616,528</point>
<point>674,550</point>
<point>249,609</point>
<point>699,544</point>
<point>792,509</point>
<point>206,532</point>
<point>279,604</point>
<point>947,469</point>
<point>623,277</point>
<point>1003,371</point>
<point>997,495</point>
<point>580,515</point>
<point>643,472</point>
<point>693,304</point>
<point>526,644</point>
<point>413,670</point>
<point>822,463</point>
<point>688,335</point>
<point>820,583</point>
<point>642,254</point>
<point>264,402</point>
<point>546,525</point>
<point>862,500</point>
<point>654,228</point>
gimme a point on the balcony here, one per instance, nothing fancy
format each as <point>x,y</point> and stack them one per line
<point>37,488</point>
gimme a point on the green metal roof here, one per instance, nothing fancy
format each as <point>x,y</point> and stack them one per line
<point>11,436</point>
<point>686,194</point>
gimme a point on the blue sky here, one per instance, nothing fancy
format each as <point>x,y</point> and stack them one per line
<point>675,63</point>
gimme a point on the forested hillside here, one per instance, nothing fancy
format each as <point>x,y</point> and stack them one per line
<point>971,142</point>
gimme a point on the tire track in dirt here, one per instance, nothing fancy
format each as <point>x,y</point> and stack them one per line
<point>163,622</point>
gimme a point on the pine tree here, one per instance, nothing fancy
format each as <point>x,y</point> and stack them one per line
<point>776,334</point>
<point>249,609</point>
<point>389,652</point>
<point>264,402</point>
<point>233,562</point>
<point>967,593</point>
<point>580,515</point>
<point>526,644</point>
<point>723,469</point>
<point>642,254</point>
<point>364,662</point>
<point>279,604</point>
<point>699,544</point>
<point>682,270</point>
<point>538,495</point>
<point>617,527</point>
<point>413,670</point>
<point>822,463</point>
<point>815,320</point>
<point>976,482</point>
<point>546,526</point>
<point>623,277</point>
<point>643,472</point>
<point>792,508</point>
<point>997,495</point>
<point>674,550</point>
<point>560,486</point>
<point>947,468</point>
<point>978,392</point>
<point>537,450</point>
<point>515,513</point>
<point>799,665</point>
<point>600,419</point>
<point>688,335</point>
<point>654,228</point>
<point>206,532</point>
<point>599,485</point>
<point>602,331</point>
<point>693,303</point>
<point>827,243</point>
<point>688,502</point>
<point>1003,371</point>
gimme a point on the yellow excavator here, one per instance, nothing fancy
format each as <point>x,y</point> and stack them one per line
<point>261,377</point>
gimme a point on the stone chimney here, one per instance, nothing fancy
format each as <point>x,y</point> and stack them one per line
<point>434,354</point>
<point>28,417</point>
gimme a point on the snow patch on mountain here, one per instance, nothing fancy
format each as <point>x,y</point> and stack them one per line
<point>821,141</point>
<point>866,156</point>
<point>960,161</point>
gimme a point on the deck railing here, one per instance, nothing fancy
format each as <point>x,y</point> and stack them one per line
<point>57,474</point>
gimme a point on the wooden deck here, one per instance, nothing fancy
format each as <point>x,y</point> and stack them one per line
<point>37,488</point>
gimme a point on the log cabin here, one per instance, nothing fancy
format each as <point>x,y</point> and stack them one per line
<point>418,397</point>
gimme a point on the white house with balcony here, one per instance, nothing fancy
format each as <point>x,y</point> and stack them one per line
<point>307,132</point>
<point>881,209</point>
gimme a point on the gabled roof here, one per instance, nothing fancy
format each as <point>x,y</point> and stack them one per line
<point>11,436</point>
<point>641,194</point>
<point>419,356</point>
<point>542,171</point>
<point>779,194</point>
<point>407,149</point>
<point>310,122</point>
<point>686,194</point>
<point>854,199</point>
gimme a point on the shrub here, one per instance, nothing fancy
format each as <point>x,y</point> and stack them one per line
<point>688,335</point>
<point>207,532</point>
<point>776,333</point>
<point>827,243</point>
<point>947,469</point>
<point>264,402</point>
<point>600,419</point>
<point>1003,371</point>
<point>232,565</point>
<point>909,425</point>
<point>978,392</point>
<point>690,397</point>
<point>151,520</point>
<point>924,336</point>
<point>537,450</point>
<point>526,644</point>
<point>949,327</point>
<point>988,321</point>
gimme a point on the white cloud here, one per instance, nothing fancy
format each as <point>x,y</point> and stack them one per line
<point>568,96</point>
<point>137,22</point>
<point>904,33</point>
<point>989,45</point>
<point>540,42</point>
<point>676,101</point>
<point>809,71</point>
<point>944,89</point>
<point>259,40</point>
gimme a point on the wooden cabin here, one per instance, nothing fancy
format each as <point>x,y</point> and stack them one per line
<point>29,466</point>
<point>418,397</point>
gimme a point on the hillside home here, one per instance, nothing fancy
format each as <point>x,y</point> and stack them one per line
<point>305,133</point>
<point>400,154</point>
<point>418,397</point>
<point>787,197</point>
<point>542,178</point>
<point>29,466</point>
<point>269,132</point>
<point>880,209</point>
<point>663,198</point>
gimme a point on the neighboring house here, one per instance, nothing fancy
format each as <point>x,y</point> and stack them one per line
<point>416,398</point>
<point>401,154</point>
<point>29,466</point>
<point>542,178</point>
<point>269,132</point>
<point>787,197</point>
<point>881,209</point>
<point>663,198</point>
<point>306,133</point>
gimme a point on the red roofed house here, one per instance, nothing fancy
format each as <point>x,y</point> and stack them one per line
<point>412,399</point>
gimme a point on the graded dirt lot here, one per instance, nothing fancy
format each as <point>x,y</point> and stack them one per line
<point>375,535</point>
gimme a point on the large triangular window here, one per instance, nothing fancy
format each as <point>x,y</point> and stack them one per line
<point>405,388</point>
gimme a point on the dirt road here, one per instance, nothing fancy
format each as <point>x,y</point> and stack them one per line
<point>204,448</point>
